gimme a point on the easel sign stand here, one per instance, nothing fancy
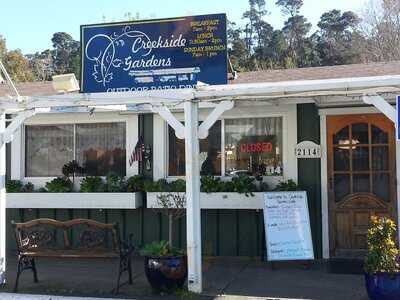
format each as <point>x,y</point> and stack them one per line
<point>287,227</point>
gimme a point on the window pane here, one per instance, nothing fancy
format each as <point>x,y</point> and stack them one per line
<point>210,153</point>
<point>380,158</point>
<point>381,186</point>
<point>359,132</point>
<point>341,159</point>
<point>48,148</point>
<point>360,159</point>
<point>342,137</point>
<point>379,136</point>
<point>341,186</point>
<point>101,149</point>
<point>254,146</point>
<point>361,183</point>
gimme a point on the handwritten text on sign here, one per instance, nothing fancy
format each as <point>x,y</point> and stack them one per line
<point>287,226</point>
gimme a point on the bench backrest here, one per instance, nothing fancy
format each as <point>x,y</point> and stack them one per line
<point>49,234</point>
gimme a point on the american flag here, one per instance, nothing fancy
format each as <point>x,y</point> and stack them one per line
<point>137,153</point>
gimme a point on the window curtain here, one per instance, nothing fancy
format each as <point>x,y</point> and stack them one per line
<point>48,148</point>
<point>100,148</point>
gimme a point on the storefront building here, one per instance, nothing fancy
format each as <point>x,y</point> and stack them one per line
<point>354,178</point>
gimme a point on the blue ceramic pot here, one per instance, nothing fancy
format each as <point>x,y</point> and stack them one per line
<point>166,273</point>
<point>383,286</point>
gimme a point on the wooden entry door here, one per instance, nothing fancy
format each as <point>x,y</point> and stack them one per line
<point>361,178</point>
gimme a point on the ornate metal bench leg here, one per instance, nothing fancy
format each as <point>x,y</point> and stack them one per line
<point>120,271</point>
<point>19,270</point>
<point>130,270</point>
<point>35,277</point>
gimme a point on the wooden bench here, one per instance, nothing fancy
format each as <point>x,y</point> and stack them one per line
<point>78,238</point>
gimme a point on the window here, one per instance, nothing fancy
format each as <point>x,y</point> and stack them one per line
<point>99,147</point>
<point>253,146</point>
<point>48,148</point>
<point>210,153</point>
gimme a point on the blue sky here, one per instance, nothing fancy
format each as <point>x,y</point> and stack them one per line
<point>29,25</point>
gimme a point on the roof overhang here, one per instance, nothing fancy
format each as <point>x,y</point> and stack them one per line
<point>327,92</point>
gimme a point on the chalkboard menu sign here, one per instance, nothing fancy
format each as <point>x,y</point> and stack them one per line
<point>287,226</point>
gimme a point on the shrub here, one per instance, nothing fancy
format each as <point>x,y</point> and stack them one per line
<point>211,184</point>
<point>178,185</point>
<point>59,185</point>
<point>135,184</point>
<point>383,254</point>
<point>287,186</point>
<point>92,184</point>
<point>115,183</point>
<point>28,188</point>
<point>14,186</point>
<point>244,184</point>
<point>160,185</point>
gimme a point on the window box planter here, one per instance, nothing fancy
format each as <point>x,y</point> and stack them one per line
<point>74,200</point>
<point>219,201</point>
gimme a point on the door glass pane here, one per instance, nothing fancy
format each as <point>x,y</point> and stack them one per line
<point>342,136</point>
<point>341,186</point>
<point>381,186</point>
<point>359,133</point>
<point>360,158</point>
<point>380,158</point>
<point>379,136</point>
<point>361,183</point>
<point>341,159</point>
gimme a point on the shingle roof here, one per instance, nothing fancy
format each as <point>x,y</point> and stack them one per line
<point>344,71</point>
<point>43,88</point>
<point>315,73</point>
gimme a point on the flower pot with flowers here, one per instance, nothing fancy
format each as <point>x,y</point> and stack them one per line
<point>382,269</point>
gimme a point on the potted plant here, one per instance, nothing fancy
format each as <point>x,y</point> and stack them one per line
<point>166,266</point>
<point>382,269</point>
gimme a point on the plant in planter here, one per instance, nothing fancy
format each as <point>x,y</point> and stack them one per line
<point>382,268</point>
<point>135,183</point>
<point>17,186</point>
<point>71,170</point>
<point>287,186</point>
<point>92,184</point>
<point>59,185</point>
<point>114,183</point>
<point>166,266</point>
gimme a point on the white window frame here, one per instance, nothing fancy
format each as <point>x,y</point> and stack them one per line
<point>289,138</point>
<point>18,145</point>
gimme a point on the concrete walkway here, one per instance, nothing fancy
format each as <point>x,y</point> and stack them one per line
<point>224,278</point>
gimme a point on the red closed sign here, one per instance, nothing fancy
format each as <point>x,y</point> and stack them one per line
<point>256,147</point>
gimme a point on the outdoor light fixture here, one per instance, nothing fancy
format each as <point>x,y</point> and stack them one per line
<point>65,83</point>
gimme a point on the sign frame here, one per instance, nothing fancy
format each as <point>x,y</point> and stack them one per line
<point>269,257</point>
<point>87,86</point>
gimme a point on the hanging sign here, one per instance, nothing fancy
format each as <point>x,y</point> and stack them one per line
<point>308,149</point>
<point>287,226</point>
<point>154,54</point>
